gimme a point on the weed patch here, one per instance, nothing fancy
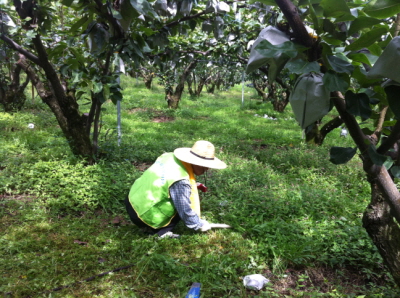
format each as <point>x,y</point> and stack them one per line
<point>295,217</point>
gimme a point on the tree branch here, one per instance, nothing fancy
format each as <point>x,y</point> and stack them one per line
<point>397,28</point>
<point>19,49</point>
<point>378,130</point>
<point>295,22</point>
<point>391,139</point>
<point>355,131</point>
<point>177,22</point>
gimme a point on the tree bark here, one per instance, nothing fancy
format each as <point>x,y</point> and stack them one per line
<point>383,230</point>
<point>12,97</point>
<point>189,81</point>
<point>200,86</point>
<point>173,97</point>
<point>278,104</point>
<point>211,88</point>
<point>260,88</point>
<point>319,135</point>
<point>147,81</point>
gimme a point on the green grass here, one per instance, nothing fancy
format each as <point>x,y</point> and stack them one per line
<point>296,217</point>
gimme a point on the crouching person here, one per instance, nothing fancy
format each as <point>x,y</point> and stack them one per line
<point>167,191</point>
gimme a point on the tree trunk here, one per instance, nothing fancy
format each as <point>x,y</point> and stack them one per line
<point>12,97</point>
<point>383,214</point>
<point>189,82</point>
<point>260,88</point>
<point>200,86</point>
<point>382,217</point>
<point>279,105</point>
<point>12,100</point>
<point>173,98</point>
<point>202,82</point>
<point>63,106</point>
<point>383,230</point>
<point>211,88</point>
<point>148,80</point>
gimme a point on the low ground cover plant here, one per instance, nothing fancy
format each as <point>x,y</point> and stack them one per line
<point>296,217</point>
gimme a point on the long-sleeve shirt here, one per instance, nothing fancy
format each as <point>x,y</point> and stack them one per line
<point>180,194</point>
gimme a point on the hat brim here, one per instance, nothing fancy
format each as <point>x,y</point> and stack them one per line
<point>185,155</point>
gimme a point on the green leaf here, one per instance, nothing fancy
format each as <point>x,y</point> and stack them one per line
<point>340,65</point>
<point>332,40</point>
<point>143,7</point>
<point>192,24</point>
<point>300,66</point>
<point>367,131</point>
<point>393,97</point>
<point>395,170</point>
<point>127,11</point>
<point>335,8</point>
<point>382,8</point>
<point>77,77</point>
<point>64,69</point>
<point>335,82</point>
<point>375,49</point>
<point>359,74</point>
<point>357,104</point>
<point>77,55</point>
<point>269,50</point>
<point>57,50</point>
<point>79,24</point>
<point>362,22</point>
<point>79,94</point>
<point>115,95</point>
<point>106,91</point>
<point>360,57</point>
<point>381,95</point>
<point>100,97</point>
<point>147,31</point>
<point>389,123</point>
<point>379,159</point>
<point>307,2</point>
<point>67,2</point>
<point>366,39</point>
<point>345,18</point>
<point>314,18</point>
<point>97,87</point>
<point>341,155</point>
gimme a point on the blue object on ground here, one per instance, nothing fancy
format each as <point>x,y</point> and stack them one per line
<point>194,291</point>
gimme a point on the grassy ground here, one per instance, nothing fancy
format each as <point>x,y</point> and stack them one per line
<point>296,217</point>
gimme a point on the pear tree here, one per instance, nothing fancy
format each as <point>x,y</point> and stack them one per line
<point>342,54</point>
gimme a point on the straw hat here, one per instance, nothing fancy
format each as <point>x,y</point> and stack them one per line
<point>201,154</point>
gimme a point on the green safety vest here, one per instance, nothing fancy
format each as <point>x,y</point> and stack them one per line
<point>149,195</point>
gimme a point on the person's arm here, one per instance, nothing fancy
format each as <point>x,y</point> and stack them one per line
<point>180,194</point>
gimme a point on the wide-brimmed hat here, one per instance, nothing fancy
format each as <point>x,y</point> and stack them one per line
<point>201,154</point>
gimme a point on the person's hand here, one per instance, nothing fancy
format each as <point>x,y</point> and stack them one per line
<point>201,187</point>
<point>206,226</point>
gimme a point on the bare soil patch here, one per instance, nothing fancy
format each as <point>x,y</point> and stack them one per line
<point>155,115</point>
<point>21,198</point>
<point>321,280</point>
